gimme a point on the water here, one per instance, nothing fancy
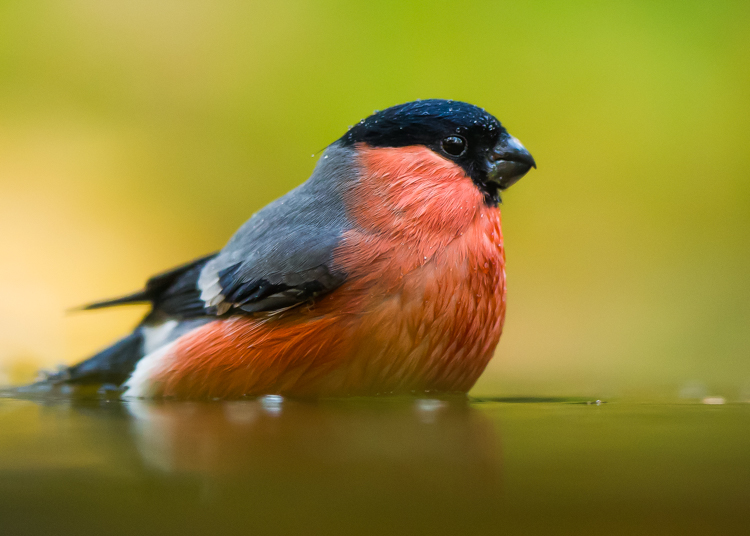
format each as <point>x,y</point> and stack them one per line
<point>373,466</point>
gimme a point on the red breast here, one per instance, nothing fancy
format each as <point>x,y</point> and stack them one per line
<point>422,308</point>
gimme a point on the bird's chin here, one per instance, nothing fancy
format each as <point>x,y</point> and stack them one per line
<point>505,173</point>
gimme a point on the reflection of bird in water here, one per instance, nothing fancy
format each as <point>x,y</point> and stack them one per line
<point>401,442</point>
<point>267,466</point>
<point>383,273</point>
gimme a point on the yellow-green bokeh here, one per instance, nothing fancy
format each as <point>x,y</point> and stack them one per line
<point>137,135</point>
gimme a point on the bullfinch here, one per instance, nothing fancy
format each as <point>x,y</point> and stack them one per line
<point>383,273</point>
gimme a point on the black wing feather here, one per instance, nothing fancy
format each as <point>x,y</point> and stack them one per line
<point>261,295</point>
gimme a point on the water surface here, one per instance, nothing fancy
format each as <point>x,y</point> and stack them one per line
<point>373,466</point>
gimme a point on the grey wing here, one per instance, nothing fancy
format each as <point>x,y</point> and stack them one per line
<point>274,273</point>
<point>280,257</point>
<point>283,255</point>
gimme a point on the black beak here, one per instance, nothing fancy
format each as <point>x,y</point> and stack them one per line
<point>508,161</point>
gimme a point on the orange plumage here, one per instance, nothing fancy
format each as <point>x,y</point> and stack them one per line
<point>421,310</point>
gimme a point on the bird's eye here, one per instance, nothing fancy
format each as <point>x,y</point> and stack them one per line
<point>454,145</point>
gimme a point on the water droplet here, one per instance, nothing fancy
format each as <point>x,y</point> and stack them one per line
<point>272,403</point>
<point>427,409</point>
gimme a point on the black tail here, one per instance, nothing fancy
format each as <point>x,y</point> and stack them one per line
<point>155,287</point>
<point>174,289</point>
<point>112,365</point>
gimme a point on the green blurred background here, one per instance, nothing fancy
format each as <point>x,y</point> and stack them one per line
<point>138,135</point>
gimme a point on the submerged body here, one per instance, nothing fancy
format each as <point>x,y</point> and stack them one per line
<point>383,273</point>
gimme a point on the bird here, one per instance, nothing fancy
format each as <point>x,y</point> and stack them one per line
<point>383,273</point>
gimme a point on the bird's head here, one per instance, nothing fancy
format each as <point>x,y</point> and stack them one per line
<point>457,131</point>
